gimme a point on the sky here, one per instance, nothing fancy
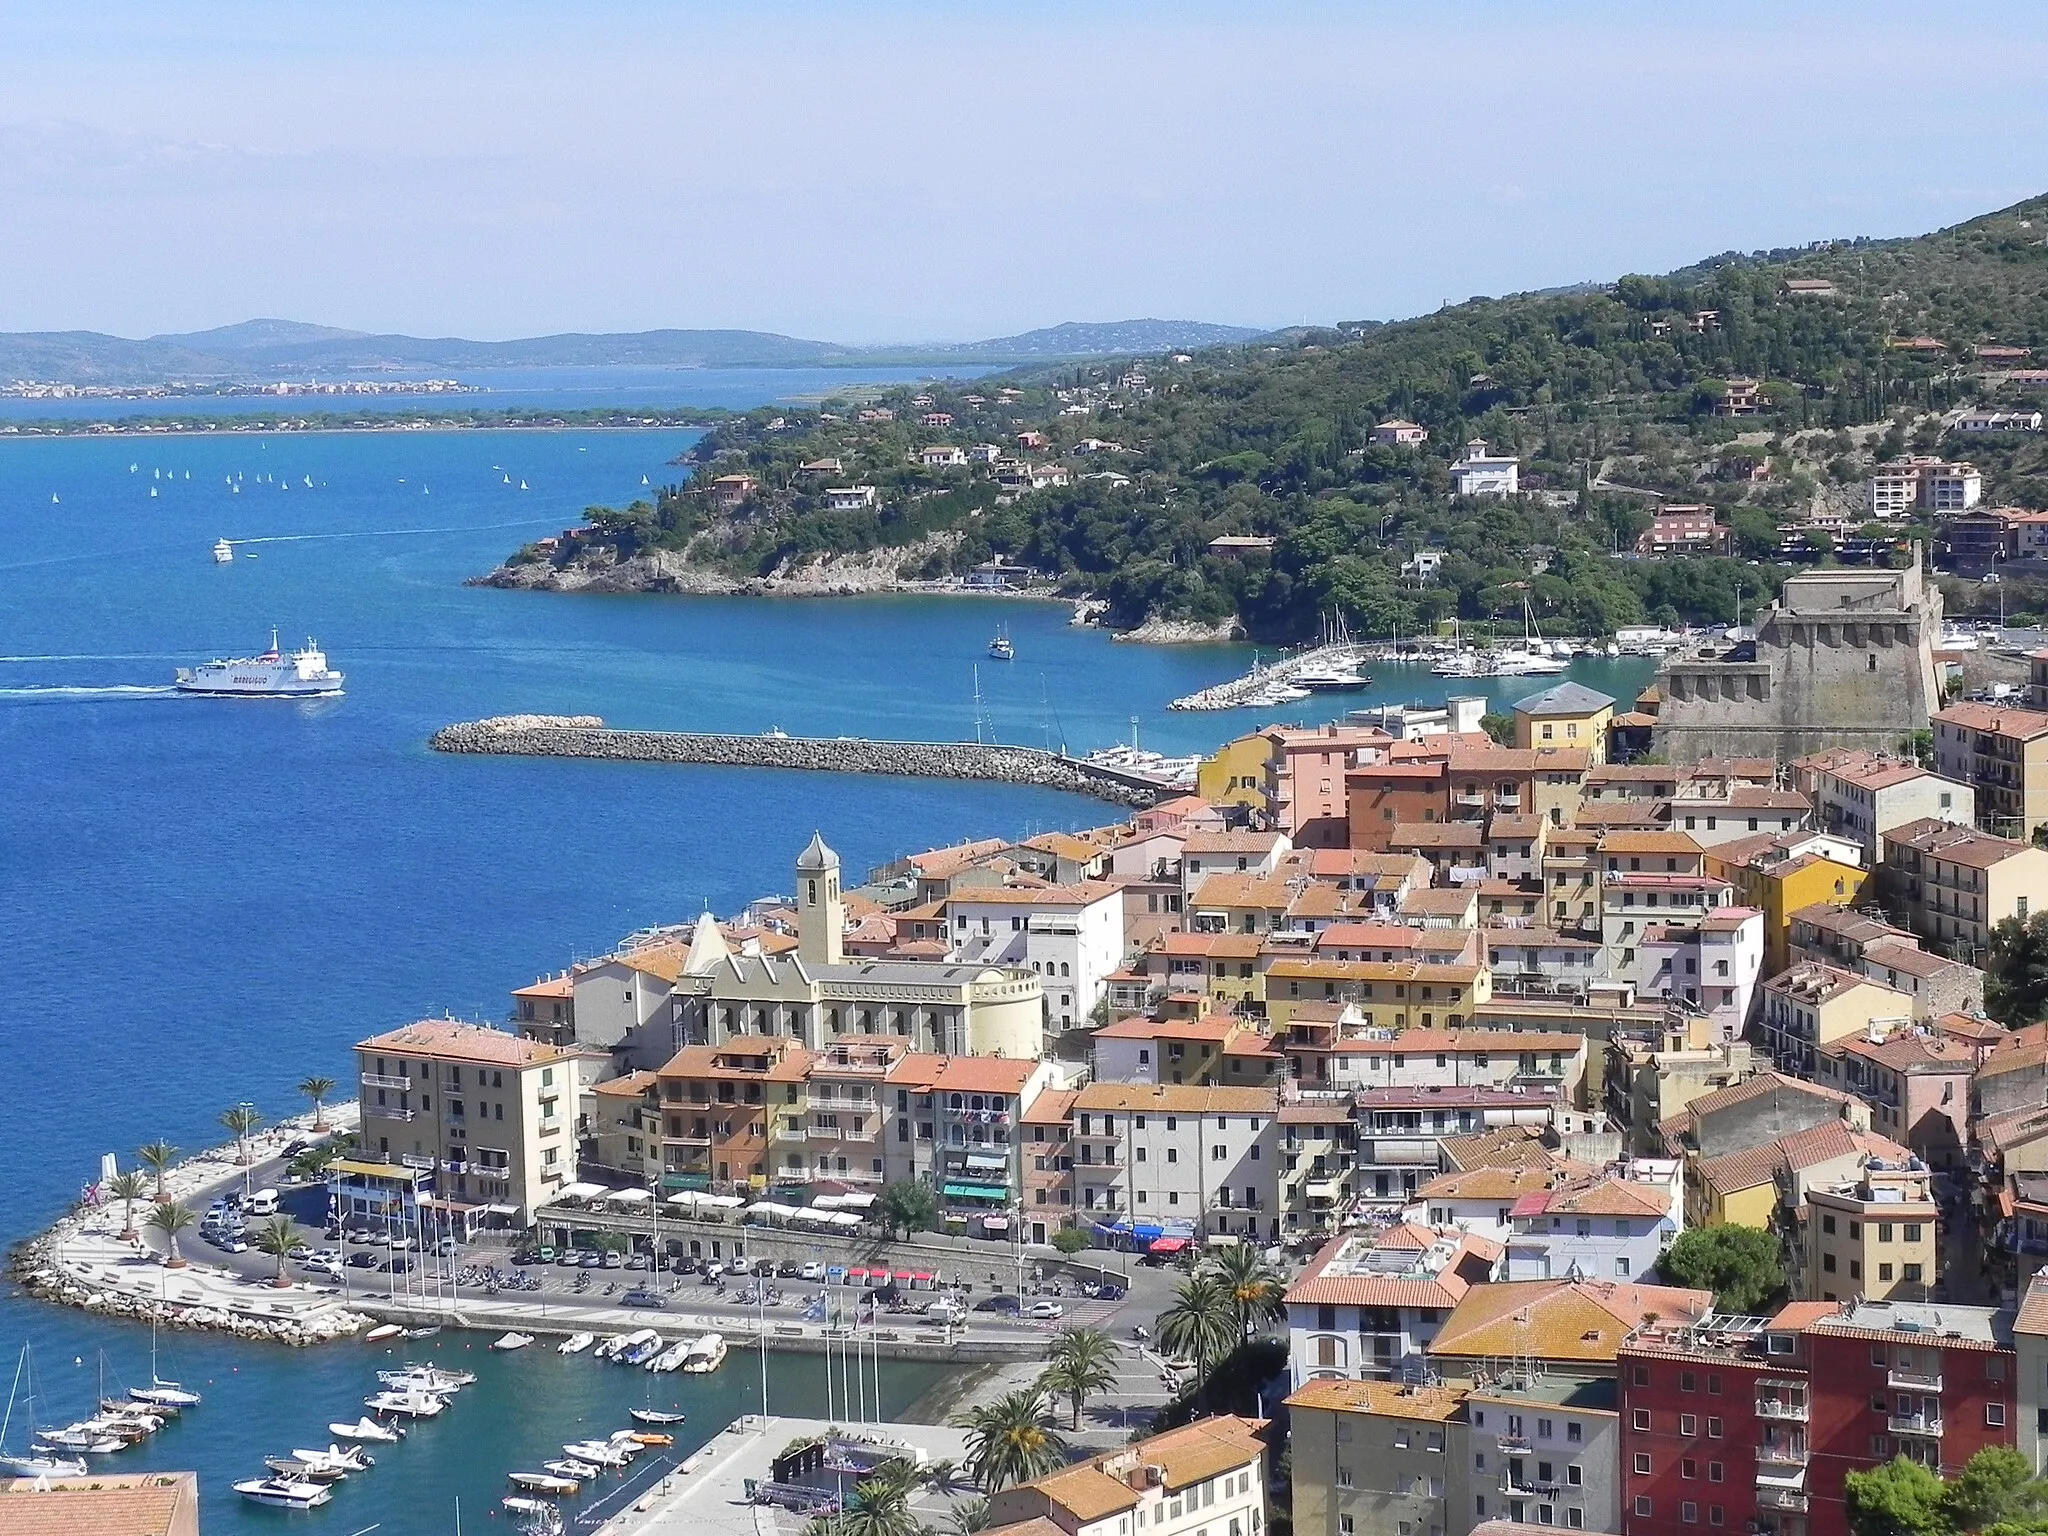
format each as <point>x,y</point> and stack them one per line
<point>916,171</point>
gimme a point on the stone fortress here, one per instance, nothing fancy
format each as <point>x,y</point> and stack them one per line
<point>1844,658</point>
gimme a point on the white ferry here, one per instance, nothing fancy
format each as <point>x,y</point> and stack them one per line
<point>303,674</point>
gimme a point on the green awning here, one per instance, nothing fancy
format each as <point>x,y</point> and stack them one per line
<point>977,1191</point>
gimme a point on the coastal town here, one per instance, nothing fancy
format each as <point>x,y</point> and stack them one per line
<point>1521,1083</point>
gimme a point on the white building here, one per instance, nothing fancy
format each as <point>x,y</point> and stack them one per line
<point>1926,484</point>
<point>1862,795</point>
<point>1153,1155</point>
<point>850,498</point>
<point>1712,962</point>
<point>1606,1228</point>
<point>1367,1312</point>
<point>1204,1479</point>
<point>1481,473</point>
<point>1072,936</point>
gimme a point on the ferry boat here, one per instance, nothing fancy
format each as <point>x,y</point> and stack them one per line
<point>303,674</point>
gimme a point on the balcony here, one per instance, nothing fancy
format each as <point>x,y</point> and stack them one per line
<point>380,1112</point>
<point>379,1080</point>
<point>1507,800</point>
<point>1781,1498</point>
<point>1471,800</point>
<point>780,1129</point>
<point>691,1138</point>
<point>1781,1461</point>
<point>1520,1485</point>
<point>1915,1424</point>
<point>418,1161</point>
<point>1512,1443</point>
<point>1912,1381</point>
<point>1781,1408</point>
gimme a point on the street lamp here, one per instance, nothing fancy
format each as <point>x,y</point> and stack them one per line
<point>248,1167</point>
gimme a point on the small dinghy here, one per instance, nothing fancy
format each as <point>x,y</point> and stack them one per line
<point>367,1429</point>
<point>545,1482</point>
<point>576,1343</point>
<point>656,1416</point>
<point>569,1466</point>
<point>383,1331</point>
<point>511,1341</point>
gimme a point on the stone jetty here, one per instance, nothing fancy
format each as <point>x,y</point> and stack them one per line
<point>588,736</point>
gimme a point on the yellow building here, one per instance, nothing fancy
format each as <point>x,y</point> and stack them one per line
<point>1236,775</point>
<point>1778,874</point>
<point>1396,994</point>
<point>1871,1236</point>
<point>1568,715</point>
<point>1812,1005</point>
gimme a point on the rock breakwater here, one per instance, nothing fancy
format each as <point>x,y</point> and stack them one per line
<point>586,736</point>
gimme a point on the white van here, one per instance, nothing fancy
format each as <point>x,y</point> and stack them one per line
<point>263,1203</point>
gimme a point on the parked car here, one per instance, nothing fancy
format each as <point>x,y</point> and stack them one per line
<point>789,1269</point>
<point>612,1260</point>
<point>813,1271</point>
<point>591,1259</point>
<point>1047,1310</point>
<point>1111,1293</point>
<point>1002,1301</point>
<point>639,1261</point>
<point>447,1247</point>
<point>362,1261</point>
<point>568,1258</point>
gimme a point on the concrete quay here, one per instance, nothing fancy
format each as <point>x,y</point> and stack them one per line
<point>1239,690</point>
<point>587,736</point>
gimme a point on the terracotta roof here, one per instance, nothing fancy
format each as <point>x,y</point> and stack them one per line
<point>448,1040</point>
<point>104,1504</point>
<point>632,1086</point>
<point>1599,1197</point>
<point>1437,834</point>
<point>1465,1042</point>
<point>1177,1098</point>
<point>1572,1320</point>
<point>1387,1399</point>
<point>2033,1316</point>
<point>1763,1083</point>
<point>1627,840</point>
<point>1797,1316</point>
<point>1512,1146</point>
<point>1049,1108</point>
<point>1953,844</point>
<point>1831,1139</point>
<point>1216,1027</point>
<point>982,1074</point>
<point>1220,946</point>
<point>1021,895</point>
<point>1911,1052</point>
<point>1234,890</point>
<point>943,863</point>
<point>1194,1453</point>
<point>783,1062</point>
<point>1995,720</point>
<point>549,986</point>
<point>1488,1184</point>
<point>1441,1289</point>
<point>1261,843</point>
<point>2026,1050</point>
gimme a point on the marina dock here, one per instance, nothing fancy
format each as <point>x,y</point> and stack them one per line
<point>1241,691</point>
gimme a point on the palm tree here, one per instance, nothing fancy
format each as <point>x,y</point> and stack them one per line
<point>317,1089</point>
<point>277,1237</point>
<point>1013,1439</point>
<point>879,1507</point>
<point>1200,1324</point>
<point>157,1157</point>
<point>171,1219</point>
<point>242,1120</point>
<point>127,1188</point>
<point>968,1517</point>
<point>1083,1363</point>
<point>1255,1291</point>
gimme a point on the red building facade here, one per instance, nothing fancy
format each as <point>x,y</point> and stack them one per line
<point>1750,1425</point>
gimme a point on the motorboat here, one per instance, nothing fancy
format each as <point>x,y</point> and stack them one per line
<point>285,1493</point>
<point>1330,677</point>
<point>672,1358</point>
<point>569,1466</point>
<point>656,1416</point>
<point>521,1505</point>
<point>81,1437</point>
<point>381,1332</point>
<point>544,1482</point>
<point>507,1342</point>
<point>411,1404</point>
<point>639,1349</point>
<point>706,1355</point>
<point>290,1469</point>
<point>609,1344</point>
<point>224,553</point>
<point>164,1394</point>
<point>426,1378</point>
<point>602,1452</point>
<point>576,1343</point>
<point>644,1437</point>
<point>335,1460</point>
<point>368,1429</point>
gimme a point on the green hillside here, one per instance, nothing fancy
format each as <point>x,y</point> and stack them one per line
<point>1608,395</point>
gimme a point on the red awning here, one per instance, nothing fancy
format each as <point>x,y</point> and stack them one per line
<point>905,1276</point>
<point>921,1278</point>
<point>1167,1245</point>
<point>856,1274</point>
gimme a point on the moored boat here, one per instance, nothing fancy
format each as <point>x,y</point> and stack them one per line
<point>381,1332</point>
<point>656,1416</point>
<point>284,1493</point>
<point>367,1429</point>
<point>705,1355</point>
<point>544,1482</point>
<point>575,1344</point>
<point>569,1466</point>
<point>507,1342</point>
<point>411,1404</point>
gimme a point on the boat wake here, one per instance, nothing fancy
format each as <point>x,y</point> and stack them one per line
<point>111,691</point>
<point>392,533</point>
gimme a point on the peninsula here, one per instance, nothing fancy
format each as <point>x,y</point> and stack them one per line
<point>1651,451</point>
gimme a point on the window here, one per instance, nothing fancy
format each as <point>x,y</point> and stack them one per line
<point>1688,1382</point>
<point>1575,1518</point>
<point>1994,1415</point>
<point>1912,1233</point>
<point>1643,1505</point>
<point>1688,1424</point>
<point>1688,1513</point>
<point>1642,1463</point>
<point>1713,1471</point>
<point>1639,1418</point>
<point>1689,1469</point>
<point>1642,1379</point>
<point>1574,1475</point>
<point>1346,1526</point>
<point>1713,1429</point>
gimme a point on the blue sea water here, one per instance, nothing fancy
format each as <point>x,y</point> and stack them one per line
<point>202,901</point>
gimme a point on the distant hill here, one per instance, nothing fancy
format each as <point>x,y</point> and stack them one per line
<point>270,348</point>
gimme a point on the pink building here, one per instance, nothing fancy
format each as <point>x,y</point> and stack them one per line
<point>1305,769</point>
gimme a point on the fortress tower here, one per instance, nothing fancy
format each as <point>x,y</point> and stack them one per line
<point>1844,658</point>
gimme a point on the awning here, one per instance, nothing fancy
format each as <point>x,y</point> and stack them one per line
<point>629,1196</point>
<point>1145,1231</point>
<point>977,1192</point>
<point>855,1200</point>
<point>580,1191</point>
<point>501,1210</point>
<point>1167,1245</point>
<point>995,1223</point>
<point>906,1276</point>
<point>987,1160</point>
<point>920,1278</point>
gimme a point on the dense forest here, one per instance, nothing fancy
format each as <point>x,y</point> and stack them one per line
<point>1612,398</point>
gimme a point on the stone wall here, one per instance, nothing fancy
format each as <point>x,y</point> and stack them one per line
<point>587,736</point>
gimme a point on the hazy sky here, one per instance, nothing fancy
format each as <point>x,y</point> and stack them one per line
<point>923,171</point>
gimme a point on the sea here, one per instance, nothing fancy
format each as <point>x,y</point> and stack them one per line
<point>204,901</point>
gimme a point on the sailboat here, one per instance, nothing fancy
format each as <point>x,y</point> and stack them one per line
<point>1001,648</point>
<point>35,1463</point>
<point>168,1394</point>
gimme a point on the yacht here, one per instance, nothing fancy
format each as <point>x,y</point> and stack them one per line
<point>426,1378</point>
<point>1001,648</point>
<point>301,675</point>
<point>707,1354</point>
<point>1330,677</point>
<point>224,553</point>
<point>285,1493</point>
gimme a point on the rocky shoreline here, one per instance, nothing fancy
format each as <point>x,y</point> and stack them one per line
<point>586,736</point>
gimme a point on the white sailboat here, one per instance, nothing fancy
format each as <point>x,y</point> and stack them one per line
<point>167,1394</point>
<point>35,1463</point>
